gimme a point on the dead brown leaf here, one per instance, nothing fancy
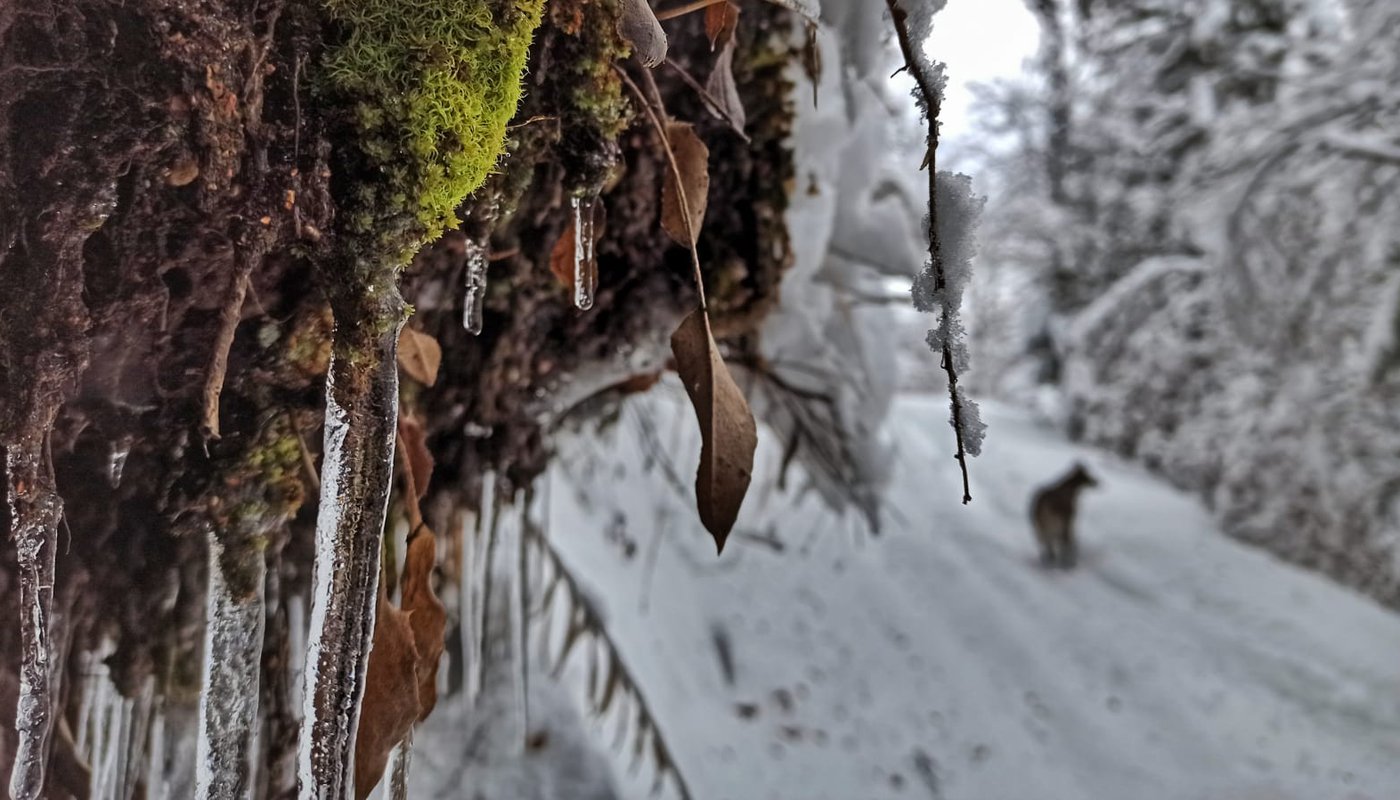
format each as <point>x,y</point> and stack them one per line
<point>727,430</point>
<point>427,616</point>
<point>414,441</point>
<point>390,704</point>
<point>561,258</point>
<point>420,355</point>
<point>725,93</point>
<point>720,21</point>
<point>693,164</point>
<point>639,26</point>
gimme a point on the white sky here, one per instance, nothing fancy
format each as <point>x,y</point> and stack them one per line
<point>979,40</point>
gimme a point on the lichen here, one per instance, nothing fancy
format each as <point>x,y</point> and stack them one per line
<point>431,85</point>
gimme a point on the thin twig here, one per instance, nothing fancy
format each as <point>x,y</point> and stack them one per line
<point>308,464</point>
<point>710,99</point>
<point>229,317</point>
<point>675,171</point>
<point>929,90</point>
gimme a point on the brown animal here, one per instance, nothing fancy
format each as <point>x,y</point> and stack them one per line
<point>1052,514</point>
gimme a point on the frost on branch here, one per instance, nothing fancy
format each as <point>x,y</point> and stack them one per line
<point>951,223</point>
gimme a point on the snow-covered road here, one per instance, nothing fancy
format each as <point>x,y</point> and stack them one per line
<point>940,661</point>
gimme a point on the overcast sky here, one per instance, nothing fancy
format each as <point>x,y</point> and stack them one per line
<point>979,40</point>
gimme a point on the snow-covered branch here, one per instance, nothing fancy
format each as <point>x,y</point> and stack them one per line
<point>940,286</point>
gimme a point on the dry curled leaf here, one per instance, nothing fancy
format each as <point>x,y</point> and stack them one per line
<point>721,87</point>
<point>693,163</point>
<point>721,19</point>
<point>415,445</point>
<point>639,26</point>
<point>727,430</point>
<point>420,355</point>
<point>427,616</point>
<point>390,705</point>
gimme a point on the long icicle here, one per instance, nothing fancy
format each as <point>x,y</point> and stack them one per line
<point>362,406</point>
<point>233,643</point>
<point>35,510</point>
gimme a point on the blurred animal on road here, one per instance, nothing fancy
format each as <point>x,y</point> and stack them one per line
<point>1052,514</point>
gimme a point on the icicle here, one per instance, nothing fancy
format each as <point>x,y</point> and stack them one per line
<point>86,705</point>
<point>585,264</point>
<point>233,643</point>
<point>296,643</point>
<point>474,300</point>
<point>116,460</point>
<point>362,404</point>
<point>157,783</point>
<point>477,583</point>
<point>35,510</point>
<point>502,650</point>
<point>399,762</point>
<point>519,632</point>
<point>121,752</point>
<point>113,739</point>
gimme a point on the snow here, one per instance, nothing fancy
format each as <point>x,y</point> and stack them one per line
<point>938,660</point>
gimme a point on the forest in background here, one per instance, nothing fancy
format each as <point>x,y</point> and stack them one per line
<point>1190,257</point>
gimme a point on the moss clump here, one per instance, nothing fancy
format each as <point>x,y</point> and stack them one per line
<point>432,85</point>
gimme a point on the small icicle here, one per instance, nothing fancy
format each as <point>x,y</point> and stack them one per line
<point>474,300</point>
<point>585,263</point>
<point>157,779</point>
<point>519,624</point>
<point>479,576</point>
<point>35,510</point>
<point>116,460</point>
<point>233,644</point>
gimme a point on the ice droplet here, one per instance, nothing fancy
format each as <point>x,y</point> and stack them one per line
<point>474,299</point>
<point>585,263</point>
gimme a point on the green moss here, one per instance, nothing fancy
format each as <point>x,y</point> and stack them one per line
<point>433,84</point>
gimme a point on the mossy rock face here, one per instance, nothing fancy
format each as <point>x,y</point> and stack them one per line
<point>432,84</point>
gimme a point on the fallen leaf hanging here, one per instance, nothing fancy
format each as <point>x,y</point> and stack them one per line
<point>728,433</point>
<point>693,166</point>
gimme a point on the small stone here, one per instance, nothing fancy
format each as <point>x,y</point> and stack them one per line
<point>183,172</point>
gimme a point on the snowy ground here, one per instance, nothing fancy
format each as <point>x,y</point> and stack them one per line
<point>938,660</point>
